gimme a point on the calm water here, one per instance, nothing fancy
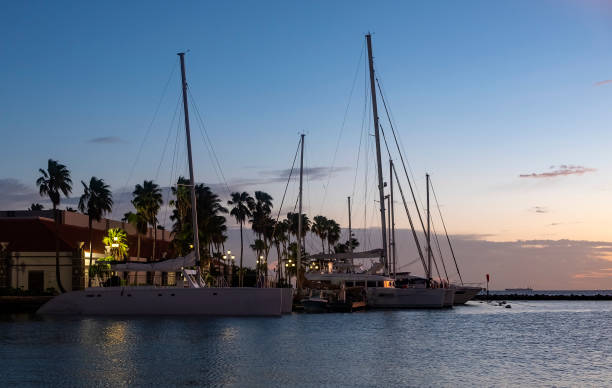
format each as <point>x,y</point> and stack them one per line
<point>531,344</point>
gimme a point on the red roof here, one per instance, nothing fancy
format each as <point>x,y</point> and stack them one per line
<point>38,235</point>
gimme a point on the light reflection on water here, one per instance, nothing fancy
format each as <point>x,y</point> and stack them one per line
<point>531,344</point>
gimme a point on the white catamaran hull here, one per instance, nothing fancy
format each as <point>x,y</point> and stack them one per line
<point>379,297</point>
<point>172,301</point>
<point>465,293</point>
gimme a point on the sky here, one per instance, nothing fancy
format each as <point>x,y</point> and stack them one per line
<point>504,104</point>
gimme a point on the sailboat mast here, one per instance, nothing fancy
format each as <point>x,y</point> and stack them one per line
<point>428,232</point>
<point>350,239</point>
<point>392,207</point>
<point>194,217</point>
<point>381,189</point>
<point>299,234</point>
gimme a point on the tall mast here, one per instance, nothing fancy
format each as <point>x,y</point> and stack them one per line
<point>350,239</point>
<point>350,228</point>
<point>194,213</point>
<point>299,239</point>
<point>393,252</point>
<point>381,189</point>
<point>428,232</point>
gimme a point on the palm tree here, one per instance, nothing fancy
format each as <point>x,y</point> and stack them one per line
<point>280,239</point>
<point>116,240</point>
<point>262,223</point>
<point>293,226</point>
<point>243,205</point>
<point>96,200</point>
<point>333,234</point>
<point>54,182</point>
<point>259,246</point>
<point>147,201</point>
<point>319,228</point>
<point>138,221</point>
<point>36,207</point>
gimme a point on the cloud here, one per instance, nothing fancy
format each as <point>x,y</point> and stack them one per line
<point>106,140</point>
<point>606,81</point>
<point>539,209</point>
<point>16,195</point>
<point>561,170</point>
<point>313,173</point>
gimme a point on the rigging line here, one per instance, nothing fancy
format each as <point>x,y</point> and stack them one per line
<point>208,144</point>
<point>174,160</point>
<point>440,251</point>
<point>416,239</point>
<point>361,132</point>
<point>161,160</point>
<point>395,137</point>
<point>149,129</point>
<point>418,244</point>
<point>432,254</point>
<point>288,181</point>
<point>446,232</point>
<point>342,126</point>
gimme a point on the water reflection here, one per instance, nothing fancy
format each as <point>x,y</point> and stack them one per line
<point>534,343</point>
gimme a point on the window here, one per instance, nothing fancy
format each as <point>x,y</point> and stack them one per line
<point>371,283</point>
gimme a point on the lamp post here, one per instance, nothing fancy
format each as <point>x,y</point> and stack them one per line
<point>261,262</point>
<point>230,260</point>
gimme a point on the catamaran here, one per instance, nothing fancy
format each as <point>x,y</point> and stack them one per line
<point>193,298</point>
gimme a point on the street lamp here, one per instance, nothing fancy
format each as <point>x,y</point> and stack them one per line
<point>230,260</point>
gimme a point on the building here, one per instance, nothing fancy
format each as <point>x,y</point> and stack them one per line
<point>27,250</point>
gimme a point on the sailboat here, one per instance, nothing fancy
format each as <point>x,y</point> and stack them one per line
<point>380,288</point>
<point>194,298</point>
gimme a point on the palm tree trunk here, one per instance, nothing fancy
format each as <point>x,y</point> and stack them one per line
<point>278,265</point>
<point>154,238</point>
<point>322,245</point>
<point>57,248</point>
<point>90,252</point>
<point>138,247</point>
<point>241,252</point>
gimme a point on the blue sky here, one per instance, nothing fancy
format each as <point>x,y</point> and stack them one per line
<point>481,92</point>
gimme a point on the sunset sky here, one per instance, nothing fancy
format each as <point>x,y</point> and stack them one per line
<point>505,104</point>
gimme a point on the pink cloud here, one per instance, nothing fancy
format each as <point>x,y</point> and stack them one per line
<point>561,170</point>
<point>606,81</point>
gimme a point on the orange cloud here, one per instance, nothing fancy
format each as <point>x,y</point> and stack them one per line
<point>606,81</point>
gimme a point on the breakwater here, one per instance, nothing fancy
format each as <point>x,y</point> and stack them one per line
<point>547,296</point>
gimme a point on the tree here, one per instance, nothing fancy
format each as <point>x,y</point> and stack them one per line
<point>96,200</point>
<point>259,248</point>
<point>280,239</point>
<point>262,223</point>
<point>36,207</point>
<point>147,201</point>
<point>319,228</point>
<point>293,226</point>
<point>211,222</point>
<point>116,241</point>
<point>333,234</point>
<point>138,221</point>
<point>54,182</point>
<point>344,247</point>
<point>243,205</point>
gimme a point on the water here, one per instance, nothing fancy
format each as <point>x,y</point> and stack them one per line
<point>536,343</point>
